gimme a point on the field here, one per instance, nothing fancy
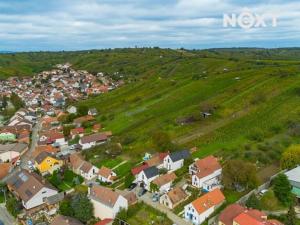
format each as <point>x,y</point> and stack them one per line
<point>252,95</point>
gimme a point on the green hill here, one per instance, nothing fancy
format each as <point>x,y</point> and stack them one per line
<point>252,94</point>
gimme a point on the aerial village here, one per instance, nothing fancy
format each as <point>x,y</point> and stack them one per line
<point>43,164</point>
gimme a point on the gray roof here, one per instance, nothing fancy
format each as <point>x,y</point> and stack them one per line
<point>151,172</point>
<point>17,147</point>
<point>294,175</point>
<point>176,156</point>
<point>55,198</point>
<point>41,156</point>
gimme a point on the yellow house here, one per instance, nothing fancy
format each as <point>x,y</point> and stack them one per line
<point>45,162</point>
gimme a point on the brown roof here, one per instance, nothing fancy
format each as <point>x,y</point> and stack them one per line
<point>105,172</point>
<point>4,169</point>
<point>76,160</point>
<point>164,179</point>
<point>230,212</point>
<point>154,161</point>
<point>86,167</point>
<point>104,195</point>
<point>207,166</point>
<point>26,184</point>
<point>42,156</point>
<point>65,220</point>
<point>131,198</point>
<point>84,119</point>
<point>93,138</point>
<point>176,195</point>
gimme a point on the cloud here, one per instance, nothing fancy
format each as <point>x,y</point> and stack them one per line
<point>83,24</point>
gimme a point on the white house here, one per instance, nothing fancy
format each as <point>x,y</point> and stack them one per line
<point>146,176</point>
<point>106,202</point>
<point>106,175</point>
<point>206,173</point>
<point>200,209</point>
<point>164,182</point>
<point>83,168</point>
<point>72,110</point>
<point>92,140</point>
<point>30,189</point>
<point>175,160</point>
<point>10,152</point>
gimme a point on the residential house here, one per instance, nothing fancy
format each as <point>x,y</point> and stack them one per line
<point>294,179</point>
<point>72,109</point>
<point>200,209</point>
<point>236,214</point>
<point>173,198</point>
<point>106,175</point>
<point>12,152</point>
<point>47,163</point>
<point>206,173</point>
<point>65,220</point>
<point>30,188</point>
<point>164,182</point>
<point>106,202</point>
<point>175,160</point>
<point>157,160</point>
<point>52,137</point>
<point>136,170</point>
<point>78,131</point>
<point>93,112</point>
<point>80,120</point>
<point>7,136</point>
<point>82,167</point>
<point>146,176</point>
<point>92,140</point>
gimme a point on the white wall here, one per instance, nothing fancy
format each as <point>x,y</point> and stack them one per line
<point>103,211</point>
<point>37,199</point>
<point>172,166</point>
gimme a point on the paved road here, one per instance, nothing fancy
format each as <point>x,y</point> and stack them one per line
<point>6,218</point>
<point>147,199</point>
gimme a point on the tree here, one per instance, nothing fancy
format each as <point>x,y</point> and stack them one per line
<point>128,180</point>
<point>282,189</point>
<point>83,110</point>
<point>291,215</point>
<point>65,208</point>
<point>13,206</point>
<point>82,207</point>
<point>253,202</point>
<point>16,101</point>
<point>154,187</point>
<point>67,131</point>
<point>162,141</point>
<point>290,157</point>
<point>238,174</point>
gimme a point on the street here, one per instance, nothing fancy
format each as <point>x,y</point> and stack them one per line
<point>147,199</point>
<point>5,217</point>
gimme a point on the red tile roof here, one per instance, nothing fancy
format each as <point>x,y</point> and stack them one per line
<point>207,166</point>
<point>208,200</point>
<point>245,219</point>
<point>230,212</point>
<point>138,169</point>
<point>104,222</point>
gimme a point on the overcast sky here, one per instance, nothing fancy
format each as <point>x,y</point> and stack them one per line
<point>31,25</point>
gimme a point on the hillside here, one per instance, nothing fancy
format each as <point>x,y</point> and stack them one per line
<point>252,94</point>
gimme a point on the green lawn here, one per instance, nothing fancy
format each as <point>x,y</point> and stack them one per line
<point>124,169</point>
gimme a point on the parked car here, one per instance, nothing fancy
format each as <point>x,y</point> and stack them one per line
<point>132,186</point>
<point>155,197</point>
<point>142,192</point>
<point>262,192</point>
<point>18,163</point>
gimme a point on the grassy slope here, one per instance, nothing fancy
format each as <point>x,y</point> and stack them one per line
<point>170,85</point>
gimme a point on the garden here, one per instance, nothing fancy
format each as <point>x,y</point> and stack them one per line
<point>65,179</point>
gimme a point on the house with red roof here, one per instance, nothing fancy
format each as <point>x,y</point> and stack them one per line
<point>236,214</point>
<point>206,173</point>
<point>78,131</point>
<point>200,209</point>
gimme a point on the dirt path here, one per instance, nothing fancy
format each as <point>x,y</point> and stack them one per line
<point>203,130</point>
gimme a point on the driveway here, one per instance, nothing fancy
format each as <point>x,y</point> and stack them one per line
<point>5,217</point>
<point>147,199</point>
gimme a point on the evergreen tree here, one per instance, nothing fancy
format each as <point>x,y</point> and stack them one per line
<point>282,189</point>
<point>253,202</point>
<point>291,215</point>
